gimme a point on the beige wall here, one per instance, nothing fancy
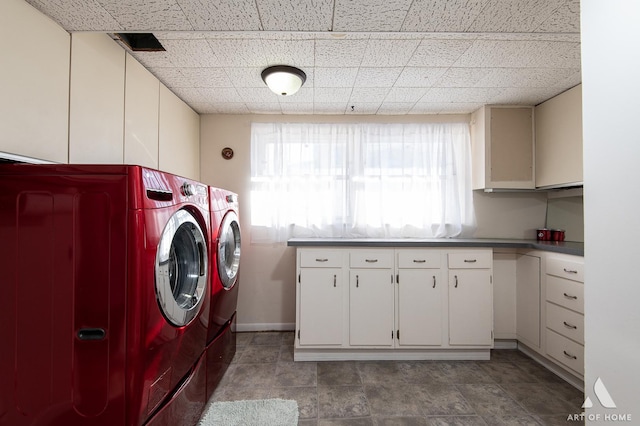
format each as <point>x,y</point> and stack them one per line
<point>267,281</point>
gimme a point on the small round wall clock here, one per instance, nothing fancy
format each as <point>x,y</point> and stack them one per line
<point>227,153</point>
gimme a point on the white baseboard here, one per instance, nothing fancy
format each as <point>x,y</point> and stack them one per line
<point>505,344</point>
<point>277,326</point>
<point>387,355</point>
<point>570,378</point>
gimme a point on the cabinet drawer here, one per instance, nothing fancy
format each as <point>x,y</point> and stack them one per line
<point>565,268</point>
<point>563,321</point>
<point>379,259</point>
<point>320,259</point>
<point>565,351</point>
<point>569,294</point>
<point>481,259</point>
<point>419,259</point>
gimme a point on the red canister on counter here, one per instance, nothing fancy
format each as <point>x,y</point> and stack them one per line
<point>544,234</point>
<point>557,235</point>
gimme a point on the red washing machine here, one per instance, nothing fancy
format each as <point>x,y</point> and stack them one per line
<point>225,260</point>
<point>105,281</point>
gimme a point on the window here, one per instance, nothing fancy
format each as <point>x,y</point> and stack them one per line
<point>360,180</point>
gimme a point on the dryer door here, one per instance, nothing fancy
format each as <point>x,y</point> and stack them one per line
<point>229,250</point>
<point>181,269</point>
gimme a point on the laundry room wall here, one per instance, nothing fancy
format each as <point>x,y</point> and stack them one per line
<point>266,299</point>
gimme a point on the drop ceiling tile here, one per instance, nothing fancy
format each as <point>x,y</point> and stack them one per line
<point>330,94</point>
<point>298,53</point>
<point>239,52</point>
<point>170,77</point>
<point>564,19</point>
<point>525,77</point>
<point>391,108</point>
<point>154,59</point>
<point>404,95</point>
<point>220,108</point>
<point>264,108</point>
<point>514,15</point>
<point>190,95</point>
<point>389,53</point>
<point>456,94</point>
<point>340,53</point>
<point>367,95</point>
<point>526,96</point>
<point>442,15</point>
<point>295,108</point>
<point>568,37</point>
<point>363,109</point>
<point>78,15</point>
<point>369,15</point>
<point>419,77</point>
<point>245,76</point>
<point>496,54</point>
<point>573,80</point>
<point>439,53</point>
<point>335,77</point>
<point>548,54</point>
<point>377,77</point>
<point>220,94</point>
<point>295,15</point>
<point>463,77</point>
<point>329,108</point>
<point>254,94</point>
<point>205,77</point>
<point>190,53</point>
<point>221,15</point>
<point>134,15</point>
<point>182,35</point>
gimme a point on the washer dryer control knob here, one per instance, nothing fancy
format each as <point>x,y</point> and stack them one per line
<point>188,189</point>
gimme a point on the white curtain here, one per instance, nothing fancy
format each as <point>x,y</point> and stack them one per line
<point>360,180</point>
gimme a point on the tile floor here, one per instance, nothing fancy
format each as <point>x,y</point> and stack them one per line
<point>510,389</point>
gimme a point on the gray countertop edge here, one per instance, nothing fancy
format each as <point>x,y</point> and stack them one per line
<point>566,247</point>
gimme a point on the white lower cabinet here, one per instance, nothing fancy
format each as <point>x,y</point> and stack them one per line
<point>359,302</point>
<point>421,299</point>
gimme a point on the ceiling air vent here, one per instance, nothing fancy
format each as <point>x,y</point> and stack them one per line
<point>141,42</point>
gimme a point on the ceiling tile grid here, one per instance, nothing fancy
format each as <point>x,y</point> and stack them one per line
<point>384,57</point>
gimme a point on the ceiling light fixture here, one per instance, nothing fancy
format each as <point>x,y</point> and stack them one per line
<point>283,80</point>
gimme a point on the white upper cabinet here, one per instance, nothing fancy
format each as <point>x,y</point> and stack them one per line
<point>179,136</point>
<point>34,82</point>
<point>502,147</point>
<point>141,102</point>
<point>559,140</point>
<point>96,108</point>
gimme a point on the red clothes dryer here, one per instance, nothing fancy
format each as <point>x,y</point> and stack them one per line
<point>106,277</point>
<point>225,260</point>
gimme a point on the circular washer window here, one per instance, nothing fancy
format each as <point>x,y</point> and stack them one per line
<point>181,269</point>
<point>229,250</point>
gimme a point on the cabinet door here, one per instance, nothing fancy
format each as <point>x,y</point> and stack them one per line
<point>528,300</point>
<point>420,307</point>
<point>371,307</point>
<point>470,307</point>
<point>320,292</point>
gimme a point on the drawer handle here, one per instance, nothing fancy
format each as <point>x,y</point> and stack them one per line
<point>568,355</point>
<point>419,260</point>
<point>566,324</point>
<point>568,296</point>
<point>322,260</point>
<point>456,278</point>
<point>371,260</point>
<point>470,261</point>
<point>570,271</point>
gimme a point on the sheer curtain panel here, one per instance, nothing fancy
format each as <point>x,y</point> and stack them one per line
<point>360,181</point>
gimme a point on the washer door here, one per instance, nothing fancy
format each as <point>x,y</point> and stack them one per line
<point>229,250</point>
<point>181,269</point>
